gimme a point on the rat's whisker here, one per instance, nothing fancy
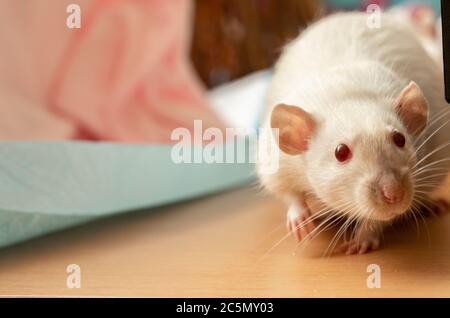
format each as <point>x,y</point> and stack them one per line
<point>363,224</point>
<point>422,192</point>
<point>432,176</point>
<point>419,213</point>
<point>323,226</point>
<point>420,198</point>
<point>430,165</point>
<point>431,153</point>
<point>443,169</point>
<point>315,216</point>
<point>422,195</point>
<point>441,114</point>
<point>427,139</point>
<point>342,230</point>
<point>338,217</point>
<point>427,185</point>
<point>345,226</point>
<point>278,227</point>
<point>413,215</point>
<point>336,211</point>
<point>436,118</point>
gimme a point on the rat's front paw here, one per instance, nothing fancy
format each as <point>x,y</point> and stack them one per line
<point>298,221</point>
<point>367,238</point>
<point>360,246</point>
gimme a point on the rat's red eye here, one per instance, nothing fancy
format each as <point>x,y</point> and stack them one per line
<point>342,152</point>
<point>399,139</point>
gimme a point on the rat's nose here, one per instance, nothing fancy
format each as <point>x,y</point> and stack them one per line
<point>391,191</point>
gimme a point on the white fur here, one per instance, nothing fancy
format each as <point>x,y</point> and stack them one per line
<point>348,76</point>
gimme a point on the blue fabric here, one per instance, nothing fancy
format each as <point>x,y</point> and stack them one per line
<point>46,186</point>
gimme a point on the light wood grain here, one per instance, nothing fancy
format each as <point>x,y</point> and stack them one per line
<point>215,247</point>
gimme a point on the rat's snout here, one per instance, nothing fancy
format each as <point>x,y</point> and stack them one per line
<point>394,191</point>
<point>391,190</point>
<point>390,194</point>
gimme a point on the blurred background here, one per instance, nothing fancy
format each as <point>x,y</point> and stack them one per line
<point>134,70</point>
<point>232,38</point>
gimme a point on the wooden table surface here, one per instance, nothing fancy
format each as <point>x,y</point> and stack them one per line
<point>221,246</point>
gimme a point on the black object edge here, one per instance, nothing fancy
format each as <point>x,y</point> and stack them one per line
<point>445,12</point>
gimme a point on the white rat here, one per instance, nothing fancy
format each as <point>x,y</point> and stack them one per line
<point>362,126</point>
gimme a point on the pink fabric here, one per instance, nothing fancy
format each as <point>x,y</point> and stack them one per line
<point>124,76</point>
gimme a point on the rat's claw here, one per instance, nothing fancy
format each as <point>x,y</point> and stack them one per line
<point>294,228</point>
<point>360,246</point>
<point>364,247</point>
<point>298,223</point>
<point>352,249</point>
<point>366,238</point>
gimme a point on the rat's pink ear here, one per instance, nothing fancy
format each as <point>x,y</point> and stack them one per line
<point>412,108</point>
<point>295,127</point>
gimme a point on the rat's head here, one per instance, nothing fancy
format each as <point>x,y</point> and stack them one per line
<point>358,159</point>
